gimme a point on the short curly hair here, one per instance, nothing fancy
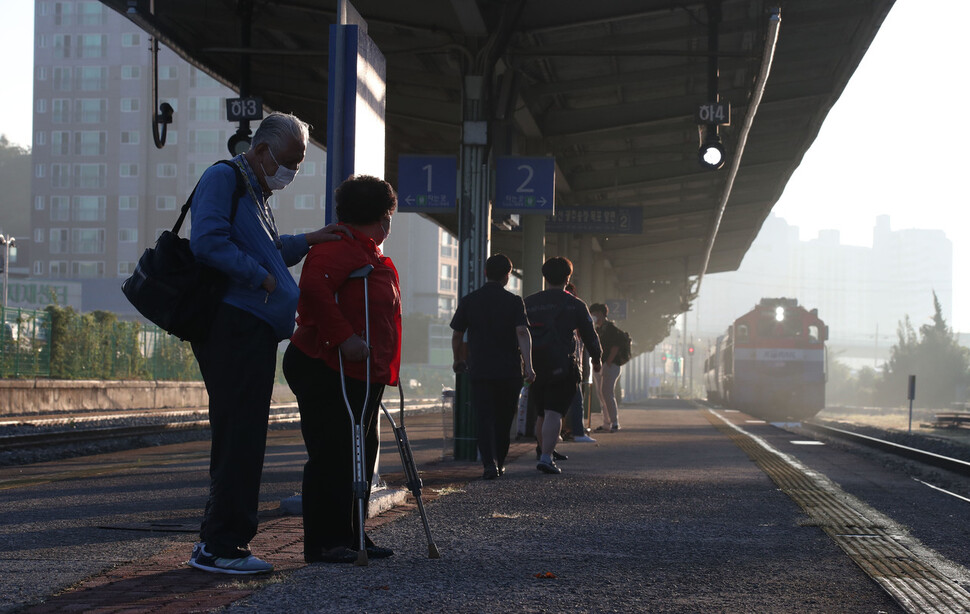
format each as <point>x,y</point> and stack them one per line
<point>363,199</point>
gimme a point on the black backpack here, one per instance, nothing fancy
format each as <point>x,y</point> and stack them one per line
<point>551,353</point>
<point>622,339</point>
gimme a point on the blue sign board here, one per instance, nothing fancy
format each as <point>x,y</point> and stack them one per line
<point>617,307</point>
<point>525,185</point>
<point>427,183</point>
<point>597,220</point>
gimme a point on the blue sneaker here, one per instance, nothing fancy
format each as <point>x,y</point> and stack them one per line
<point>246,565</point>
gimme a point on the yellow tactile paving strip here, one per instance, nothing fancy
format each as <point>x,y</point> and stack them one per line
<point>916,585</point>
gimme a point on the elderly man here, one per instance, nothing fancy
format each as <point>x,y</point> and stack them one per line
<point>238,358</point>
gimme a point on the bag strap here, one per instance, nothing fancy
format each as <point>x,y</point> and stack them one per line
<point>240,188</point>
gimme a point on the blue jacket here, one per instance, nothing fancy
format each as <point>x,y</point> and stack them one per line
<point>247,251</point>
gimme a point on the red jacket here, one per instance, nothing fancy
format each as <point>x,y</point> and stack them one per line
<point>323,324</point>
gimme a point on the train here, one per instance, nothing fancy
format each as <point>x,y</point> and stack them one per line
<point>771,363</point>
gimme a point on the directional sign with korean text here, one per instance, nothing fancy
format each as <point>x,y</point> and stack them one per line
<point>525,185</point>
<point>427,183</point>
<point>597,220</point>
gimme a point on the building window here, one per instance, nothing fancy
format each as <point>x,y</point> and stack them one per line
<point>131,72</point>
<point>89,175</point>
<point>92,78</point>
<point>305,201</point>
<point>446,306</point>
<point>90,143</point>
<point>59,240</point>
<point>205,108</point>
<point>89,208</point>
<point>87,269</point>
<point>308,169</point>
<point>60,209</point>
<point>60,175</point>
<point>87,240</point>
<point>41,73</point>
<point>130,40</point>
<point>39,203</point>
<point>90,14</point>
<point>39,170</point>
<point>165,203</point>
<point>60,143</point>
<point>92,45</point>
<point>38,235</point>
<point>63,13</point>
<point>168,72</point>
<point>128,170</point>
<point>38,267</point>
<point>127,235</point>
<point>205,141</point>
<point>197,78</point>
<point>58,268</point>
<point>40,138</point>
<point>62,46</point>
<point>449,245</point>
<point>41,106</point>
<point>91,110</point>
<point>126,268</point>
<point>62,79</point>
<point>129,105</point>
<point>448,280</point>
<point>60,110</point>
<point>127,203</point>
<point>130,137</point>
<point>166,170</point>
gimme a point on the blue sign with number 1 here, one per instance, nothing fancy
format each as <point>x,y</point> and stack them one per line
<point>427,183</point>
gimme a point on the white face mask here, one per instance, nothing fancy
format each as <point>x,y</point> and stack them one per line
<point>281,178</point>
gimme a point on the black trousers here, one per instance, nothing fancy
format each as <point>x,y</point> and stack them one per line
<point>238,364</point>
<point>495,403</point>
<point>329,512</point>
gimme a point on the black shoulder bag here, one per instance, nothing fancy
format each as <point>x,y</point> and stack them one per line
<point>172,289</point>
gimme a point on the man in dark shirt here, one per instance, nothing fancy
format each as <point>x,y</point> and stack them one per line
<point>498,346</point>
<point>554,316</point>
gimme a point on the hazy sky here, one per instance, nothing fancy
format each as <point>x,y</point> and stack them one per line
<point>889,146</point>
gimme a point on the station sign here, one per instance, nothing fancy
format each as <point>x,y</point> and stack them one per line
<point>427,184</point>
<point>597,220</point>
<point>714,114</point>
<point>525,185</point>
<point>617,307</point>
<point>248,108</point>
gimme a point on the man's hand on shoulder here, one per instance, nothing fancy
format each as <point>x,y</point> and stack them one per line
<point>331,232</point>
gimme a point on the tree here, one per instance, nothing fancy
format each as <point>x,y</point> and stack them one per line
<point>15,177</point>
<point>940,364</point>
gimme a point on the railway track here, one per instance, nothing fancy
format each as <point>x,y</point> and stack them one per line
<point>88,428</point>
<point>955,465</point>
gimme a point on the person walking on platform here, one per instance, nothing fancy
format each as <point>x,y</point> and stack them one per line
<point>554,317</point>
<point>605,380</point>
<point>330,324</point>
<point>499,346</point>
<point>238,358</point>
<point>577,426</point>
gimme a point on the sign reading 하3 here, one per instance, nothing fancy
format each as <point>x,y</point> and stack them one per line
<point>525,185</point>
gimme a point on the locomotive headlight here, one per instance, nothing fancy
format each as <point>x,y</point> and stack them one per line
<point>779,314</point>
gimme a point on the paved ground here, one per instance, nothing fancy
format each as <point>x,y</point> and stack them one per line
<point>667,515</point>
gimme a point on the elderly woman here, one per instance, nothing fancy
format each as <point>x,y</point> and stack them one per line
<point>364,205</point>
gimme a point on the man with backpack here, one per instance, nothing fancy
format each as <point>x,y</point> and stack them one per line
<point>554,315</point>
<point>616,352</point>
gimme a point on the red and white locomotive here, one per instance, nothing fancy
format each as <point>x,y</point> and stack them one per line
<point>771,363</point>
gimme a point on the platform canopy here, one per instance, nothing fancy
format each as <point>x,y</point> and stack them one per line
<point>611,89</point>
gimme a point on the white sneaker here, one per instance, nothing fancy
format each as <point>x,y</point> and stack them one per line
<point>584,439</point>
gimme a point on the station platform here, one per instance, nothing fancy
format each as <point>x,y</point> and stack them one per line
<point>684,509</point>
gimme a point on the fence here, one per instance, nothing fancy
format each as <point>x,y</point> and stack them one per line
<point>63,344</point>
<point>25,349</point>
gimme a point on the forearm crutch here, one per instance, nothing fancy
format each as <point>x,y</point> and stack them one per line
<point>414,482</point>
<point>357,427</point>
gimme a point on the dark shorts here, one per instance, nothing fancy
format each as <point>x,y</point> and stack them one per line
<point>553,393</point>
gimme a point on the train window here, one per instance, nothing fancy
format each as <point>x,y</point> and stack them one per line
<point>813,335</point>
